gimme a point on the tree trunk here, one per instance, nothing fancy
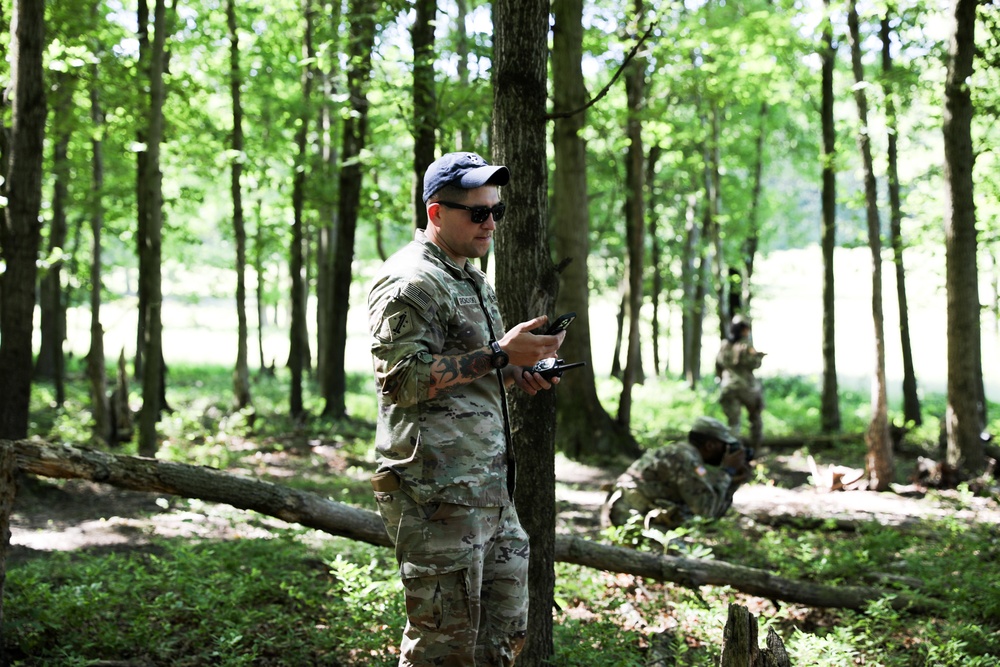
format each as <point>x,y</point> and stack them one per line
<point>584,426</point>
<point>50,363</point>
<point>740,648</point>
<point>830,400</point>
<point>655,253</point>
<point>635,228</point>
<point>329,137</point>
<point>752,241</point>
<point>911,400</point>
<point>424,102</point>
<point>96,364</point>
<point>20,235</point>
<point>153,371</point>
<point>691,253</point>
<point>360,47</point>
<point>964,419</point>
<point>260,294</point>
<point>298,336</point>
<point>879,462</point>
<point>313,511</point>
<point>241,374</point>
<point>527,283</point>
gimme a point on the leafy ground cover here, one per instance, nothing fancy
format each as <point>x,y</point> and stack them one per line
<point>104,576</point>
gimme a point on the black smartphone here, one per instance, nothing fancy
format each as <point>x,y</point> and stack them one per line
<point>560,324</point>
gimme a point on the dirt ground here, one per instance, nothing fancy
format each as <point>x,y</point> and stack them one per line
<point>78,514</point>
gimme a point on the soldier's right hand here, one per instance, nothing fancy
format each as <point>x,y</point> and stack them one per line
<point>527,349</point>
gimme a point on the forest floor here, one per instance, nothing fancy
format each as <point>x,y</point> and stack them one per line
<point>76,514</point>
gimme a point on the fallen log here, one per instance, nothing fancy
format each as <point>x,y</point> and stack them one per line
<point>313,511</point>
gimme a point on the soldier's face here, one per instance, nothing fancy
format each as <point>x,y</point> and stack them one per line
<point>454,232</point>
<point>713,451</point>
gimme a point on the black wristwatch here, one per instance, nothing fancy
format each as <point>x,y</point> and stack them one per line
<point>499,358</point>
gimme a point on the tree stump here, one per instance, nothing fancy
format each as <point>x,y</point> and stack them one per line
<point>739,643</point>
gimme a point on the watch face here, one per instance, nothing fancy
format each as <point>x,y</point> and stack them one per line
<point>499,358</point>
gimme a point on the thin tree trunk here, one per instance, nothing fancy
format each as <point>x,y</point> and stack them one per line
<point>20,235</point>
<point>879,462</point>
<point>635,228</point>
<point>964,419</point>
<point>50,363</point>
<point>692,248</point>
<point>328,138</point>
<point>655,252</point>
<point>100,407</point>
<point>258,265</point>
<point>424,102</point>
<point>351,179</point>
<point>911,400</point>
<point>298,336</point>
<point>753,233</point>
<point>830,401</point>
<point>241,374</point>
<point>153,372</point>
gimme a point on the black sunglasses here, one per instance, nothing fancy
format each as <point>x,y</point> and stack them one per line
<point>479,214</point>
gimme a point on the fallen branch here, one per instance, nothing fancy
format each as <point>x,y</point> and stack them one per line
<point>313,511</point>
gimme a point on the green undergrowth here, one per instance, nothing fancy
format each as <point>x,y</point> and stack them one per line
<point>269,594</point>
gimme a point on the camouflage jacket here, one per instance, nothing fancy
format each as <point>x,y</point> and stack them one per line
<point>675,474</point>
<point>736,363</point>
<point>453,447</point>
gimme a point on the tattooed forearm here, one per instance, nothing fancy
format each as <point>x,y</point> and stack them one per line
<point>448,371</point>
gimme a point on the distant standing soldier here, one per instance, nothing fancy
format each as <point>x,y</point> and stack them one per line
<point>734,367</point>
<point>670,484</point>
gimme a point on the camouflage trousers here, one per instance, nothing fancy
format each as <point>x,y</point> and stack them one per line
<point>733,400</point>
<point>465,575</point>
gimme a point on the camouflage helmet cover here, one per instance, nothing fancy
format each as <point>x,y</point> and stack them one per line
<point>713,428</point>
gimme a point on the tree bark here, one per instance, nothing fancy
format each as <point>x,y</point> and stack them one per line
<point>527,283</point>
<point>911,400</point>
<point>830,400</point>
<point>361,44</point>
<point>241,373</point>
<point>298,335</point>
<point>20,235</point>
<point>153,399</point>
<point>100,406</point>
<point>313,511</point>
<point>879,461</point>
<point>635,228</point>
<point>739,648</point>
<point>964,418</point>
<point>424,102</point>
<point>50,363</point>
<point>585,428</point>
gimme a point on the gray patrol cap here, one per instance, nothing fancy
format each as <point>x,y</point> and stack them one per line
<point>466,170</point>
<point>713,428</point>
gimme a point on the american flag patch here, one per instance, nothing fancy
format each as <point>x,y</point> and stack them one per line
<point>416,296</point>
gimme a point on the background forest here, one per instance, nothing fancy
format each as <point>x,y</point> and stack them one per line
<point>196,193</point>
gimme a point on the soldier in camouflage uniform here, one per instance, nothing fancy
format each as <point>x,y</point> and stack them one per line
<point>734,367</point>
<point>670,484</point>
<point>445,479</point>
